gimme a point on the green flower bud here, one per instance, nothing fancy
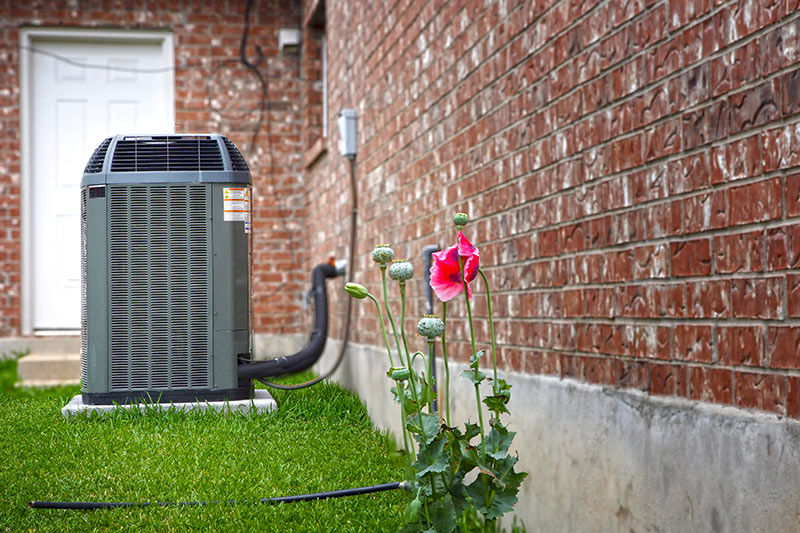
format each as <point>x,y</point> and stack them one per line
<point>356,290</point>
<point>401,271</point>
<point>382,254</point>
<point>460,219</point>
<point>430,326</point>
<point>399,373</point>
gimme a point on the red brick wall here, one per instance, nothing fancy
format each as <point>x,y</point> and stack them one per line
<point>207,39</point>
<point>632,170</point>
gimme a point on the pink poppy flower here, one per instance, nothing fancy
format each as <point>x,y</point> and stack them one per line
<point>446,274</point>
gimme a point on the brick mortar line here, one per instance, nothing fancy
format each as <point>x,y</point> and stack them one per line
<point>683,153</point>
<point>632,245</point>
<point>471,72</point>
<point>629,97</point>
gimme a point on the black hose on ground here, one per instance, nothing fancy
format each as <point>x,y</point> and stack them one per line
<point>271,501</point>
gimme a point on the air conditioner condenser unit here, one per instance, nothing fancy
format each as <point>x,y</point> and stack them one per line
<point>165,270</point>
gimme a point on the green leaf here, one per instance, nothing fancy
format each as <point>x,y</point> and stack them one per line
<point>443,515</point>
<point>499,503</point>
<point>474,360</point>
<point>473,430</point>
<point>508,479</point>
<point>496,404</point>
<point>430,427</point>
<point>431,458</point>
<point>498,441</point>
<point>475,376</point>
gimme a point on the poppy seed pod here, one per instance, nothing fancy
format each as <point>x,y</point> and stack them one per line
<point>382,254</point>
<point>401,271</point>
<point>431,327</point>
<point>460,219</point>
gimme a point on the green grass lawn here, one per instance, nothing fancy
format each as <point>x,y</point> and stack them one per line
<point>319,439</point>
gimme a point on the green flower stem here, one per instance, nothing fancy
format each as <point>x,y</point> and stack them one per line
<point>477,389</point>
<point>411,374</point>
<point>431,385</point>
<point>383,328</point>
<point>491,326</point>
<point>446,366</point>
<point>409,446</point>
<point>475,352</point>
<point>389,312</point>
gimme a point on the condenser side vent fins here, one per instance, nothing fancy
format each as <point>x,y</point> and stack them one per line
<point>95,163</point>
<point>237,160</point>
<point>167,153</point>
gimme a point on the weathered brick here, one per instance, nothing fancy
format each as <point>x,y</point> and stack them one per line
<point>668,379</point>
<point>739,252</point>
<point>665,59</point>
<point>741,345</point>
<point>662,140</point>
<point>790,92</point>
<point>664,219</point>
<point>710,384</point>
<point>694,343</point>
<point>631,374</point>
<point>737,160</point>
<point>708,299</point>
<point>691,258</point>
<point>793,396</point>
<point>760,391</point>
<point>780,147</point>
<point>793,295</point>
<point>783,347</point>
<point>652,342</point>
<point>705,125</point>
<point>705,211</point>
<point>779,47</point>
<point>755,202</point>
<point>757,298</point>
<point>749,16</point>
<point>783,247</point>
<point>682,12</point>
<point>754,107</point>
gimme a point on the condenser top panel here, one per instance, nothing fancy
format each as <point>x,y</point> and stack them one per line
<point>180,158</point>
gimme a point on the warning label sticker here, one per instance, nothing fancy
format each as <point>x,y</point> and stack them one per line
<point>236,205</point>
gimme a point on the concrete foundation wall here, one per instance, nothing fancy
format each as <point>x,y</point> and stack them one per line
<point>601,459</point>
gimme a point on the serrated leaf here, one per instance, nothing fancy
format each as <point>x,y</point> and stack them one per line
<point>500,502</point>
<point>431,459</point>
<point>443,515</point>
<point>508,479</point>
<point>498,441</point>
<point>429,430</point>
<point>474,359</point>
<point>474,376</point>
<point>496,404</point>
<point>473,430</point>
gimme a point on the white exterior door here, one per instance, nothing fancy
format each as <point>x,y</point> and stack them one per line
<point>72,109</point>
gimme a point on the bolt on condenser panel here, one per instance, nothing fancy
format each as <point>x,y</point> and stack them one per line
<point>164,269</point>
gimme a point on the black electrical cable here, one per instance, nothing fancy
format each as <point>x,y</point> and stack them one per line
<point>270,501</point>
<point>349,301</point>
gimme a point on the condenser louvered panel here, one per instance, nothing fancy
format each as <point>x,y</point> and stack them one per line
<point>95,163</point>
<point>159,286</point>
<point>166,154</point>
<point>84,317</point>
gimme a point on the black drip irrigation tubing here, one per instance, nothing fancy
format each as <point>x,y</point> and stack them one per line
<point>270,501</point>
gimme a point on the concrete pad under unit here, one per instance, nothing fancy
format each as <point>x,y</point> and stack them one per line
<point>261,402</point>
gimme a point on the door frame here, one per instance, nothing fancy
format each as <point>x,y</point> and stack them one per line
<point>27,39</point>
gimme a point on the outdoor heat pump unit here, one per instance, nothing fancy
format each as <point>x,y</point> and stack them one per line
<point>165,270</point>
